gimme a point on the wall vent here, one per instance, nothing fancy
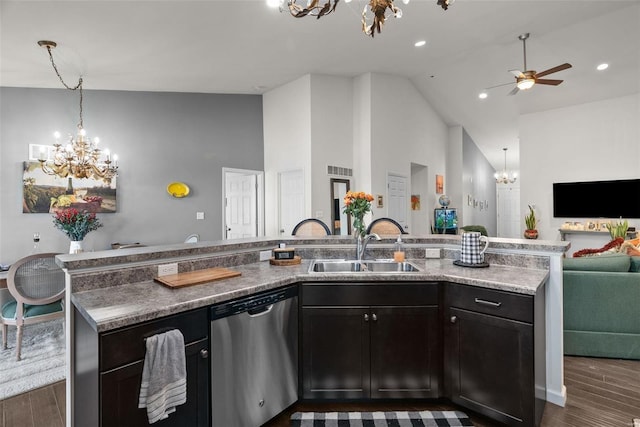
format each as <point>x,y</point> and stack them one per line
<point>337,170</point>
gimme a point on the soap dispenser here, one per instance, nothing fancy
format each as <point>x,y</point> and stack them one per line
<point>398,251</point>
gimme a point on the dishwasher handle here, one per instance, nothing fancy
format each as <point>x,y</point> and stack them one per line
<point>260,311</point>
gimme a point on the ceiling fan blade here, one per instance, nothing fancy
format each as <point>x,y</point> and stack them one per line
<point>516,73</point>
<point>548,82</point>
<point>514,91</point>
<point>553,70</point>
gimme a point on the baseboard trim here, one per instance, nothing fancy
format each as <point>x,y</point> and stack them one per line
<point>557,397</point>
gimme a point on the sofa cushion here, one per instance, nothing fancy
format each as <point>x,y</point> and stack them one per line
<point>613,262</point>
<point>635,264</point>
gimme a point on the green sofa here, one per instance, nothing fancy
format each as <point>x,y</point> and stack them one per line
<point>602,306</point>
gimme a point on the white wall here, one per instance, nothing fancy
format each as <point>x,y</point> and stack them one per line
<point>287,142</point>
<point>405,130</point>
<point>588,142</point>
<point>331,137</point>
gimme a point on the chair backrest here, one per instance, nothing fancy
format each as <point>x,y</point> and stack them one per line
<point>192,238</point>
<point>385,226</point>
<point>480,228</point>
<point>36,279</point>
<point>311,227</point>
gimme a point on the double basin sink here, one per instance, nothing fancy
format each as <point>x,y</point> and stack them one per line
<point>364,266</point>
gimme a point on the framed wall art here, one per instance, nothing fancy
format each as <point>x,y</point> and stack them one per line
<point>42,193</point>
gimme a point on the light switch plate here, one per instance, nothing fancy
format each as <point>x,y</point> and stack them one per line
<point>199,215</point>
<point>265,255</point>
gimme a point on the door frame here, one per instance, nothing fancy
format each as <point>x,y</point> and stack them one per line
<point>259,198</point>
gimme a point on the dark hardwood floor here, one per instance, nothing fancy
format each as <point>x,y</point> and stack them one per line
<point>600,393</point>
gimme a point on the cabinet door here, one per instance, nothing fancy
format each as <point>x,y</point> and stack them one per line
<point>120,389</point>
<point>405,349</point>
<point>335,345</point>
<point>489,364</point>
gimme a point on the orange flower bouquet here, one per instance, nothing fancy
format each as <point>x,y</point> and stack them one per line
<point>357,204</point>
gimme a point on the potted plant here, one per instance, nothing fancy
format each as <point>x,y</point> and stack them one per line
<point>531,221</point>
<point>619,229</point>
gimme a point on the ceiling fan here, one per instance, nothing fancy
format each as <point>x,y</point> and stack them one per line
<point>526,79</point>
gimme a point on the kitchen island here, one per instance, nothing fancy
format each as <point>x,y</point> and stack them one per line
<point>115,289</point>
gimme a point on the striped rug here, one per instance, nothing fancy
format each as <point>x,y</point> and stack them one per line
<point>380,419</point>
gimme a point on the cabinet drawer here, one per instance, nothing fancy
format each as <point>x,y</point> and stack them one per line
<point>367,293</point>
<point>127,345</point>
<point>490,301</point>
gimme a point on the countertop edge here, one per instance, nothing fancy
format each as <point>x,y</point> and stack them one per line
<point>129,312</point>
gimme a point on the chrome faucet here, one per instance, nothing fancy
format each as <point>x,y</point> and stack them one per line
<point>361,245</point>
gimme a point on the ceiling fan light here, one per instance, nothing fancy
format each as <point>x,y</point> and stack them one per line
<point>525,84</point>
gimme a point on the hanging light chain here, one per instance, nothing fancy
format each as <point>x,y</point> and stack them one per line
<point>49,45</point>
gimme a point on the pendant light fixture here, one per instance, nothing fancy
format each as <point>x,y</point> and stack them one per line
<point>80,157</point>
<point>505,177</point>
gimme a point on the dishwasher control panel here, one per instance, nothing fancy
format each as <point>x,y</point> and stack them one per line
<point>252,302</point>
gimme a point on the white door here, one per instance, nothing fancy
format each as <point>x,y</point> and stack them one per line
<point>241,203</point>
<point>291,195</point>
<point>508,211</point>
<point>398,201</point>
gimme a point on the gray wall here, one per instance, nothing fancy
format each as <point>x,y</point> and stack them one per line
<point>159,138</point>
<point>478,181</point>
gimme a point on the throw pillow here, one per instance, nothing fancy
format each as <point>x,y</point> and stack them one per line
<point>613,262</point>
<point>635,264</point>
<point>611,246</point>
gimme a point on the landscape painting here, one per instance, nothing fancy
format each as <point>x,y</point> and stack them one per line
<point>42,193</point>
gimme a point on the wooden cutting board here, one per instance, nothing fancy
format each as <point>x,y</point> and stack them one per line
<point>196,277</point>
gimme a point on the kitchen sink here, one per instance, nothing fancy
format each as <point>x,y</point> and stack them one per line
<point>353,266</point>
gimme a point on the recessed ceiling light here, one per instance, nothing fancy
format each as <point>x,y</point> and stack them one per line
<point>602,66</point>
<point>420,43</point>
<point>483,95</point>
<point>273,3</point>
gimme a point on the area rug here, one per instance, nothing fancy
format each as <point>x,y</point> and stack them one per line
<point>380,419</point>
<point>43,361</point>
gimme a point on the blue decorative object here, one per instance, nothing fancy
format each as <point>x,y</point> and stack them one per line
<point>444,200</point>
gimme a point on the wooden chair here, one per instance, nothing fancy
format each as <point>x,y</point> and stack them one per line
<point>311,227</point>
<point>38,284</point>
<point>385,227</point>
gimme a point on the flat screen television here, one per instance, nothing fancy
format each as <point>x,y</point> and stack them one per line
<point>445,218</point>
<point>597,199</point>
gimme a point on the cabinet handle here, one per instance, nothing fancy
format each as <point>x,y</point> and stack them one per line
<point>374,317</point>
<point>204,353</point>
<point>454,319</point>
<point>485,302</point>
<point>366,317</point>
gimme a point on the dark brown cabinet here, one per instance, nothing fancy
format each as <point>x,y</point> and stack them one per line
<point>495,353</point>
<point>370,341</point>
<point>108,368</point>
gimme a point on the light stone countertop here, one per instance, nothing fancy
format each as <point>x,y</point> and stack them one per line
<point>124,305</point>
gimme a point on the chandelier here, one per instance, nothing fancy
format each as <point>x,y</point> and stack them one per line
<point>320,8</point>
<point>80,157</point>
<point>505,177</point>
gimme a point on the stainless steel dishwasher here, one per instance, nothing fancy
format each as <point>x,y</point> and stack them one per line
<point>254,358</point>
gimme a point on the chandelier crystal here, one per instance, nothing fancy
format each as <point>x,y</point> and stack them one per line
<point>80,157</point>
<point>505,177</point>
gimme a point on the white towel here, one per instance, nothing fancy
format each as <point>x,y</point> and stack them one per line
<point>164,375</point>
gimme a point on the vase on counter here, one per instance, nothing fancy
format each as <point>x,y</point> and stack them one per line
<point>530,234</point>
<point>359,229</point>
<point>75,246</point>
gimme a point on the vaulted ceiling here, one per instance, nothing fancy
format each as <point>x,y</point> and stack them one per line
<point>243,46</point>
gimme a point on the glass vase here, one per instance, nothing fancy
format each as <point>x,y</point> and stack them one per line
<point>75,246</point>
